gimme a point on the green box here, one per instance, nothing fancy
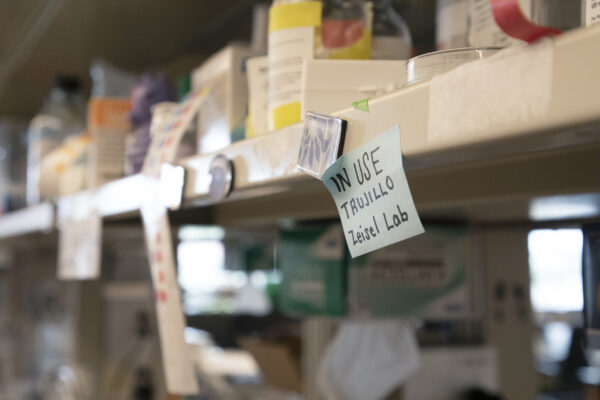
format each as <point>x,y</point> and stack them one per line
<point>313,263</point>
<point>428,276</point>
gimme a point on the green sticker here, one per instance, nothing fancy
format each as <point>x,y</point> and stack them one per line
<point>362,105</point>
<point>371,193</point>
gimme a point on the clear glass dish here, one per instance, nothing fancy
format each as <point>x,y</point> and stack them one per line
<point>426,66</point>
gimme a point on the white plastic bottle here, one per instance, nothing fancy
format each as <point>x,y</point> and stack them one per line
<point>451,24</point>
<point>62,116</point>
<point>391,37</point>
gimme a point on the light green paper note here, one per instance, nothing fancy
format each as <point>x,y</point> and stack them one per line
<point>371,193</point>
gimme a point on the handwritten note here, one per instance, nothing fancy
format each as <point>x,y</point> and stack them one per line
<point>371,192</point>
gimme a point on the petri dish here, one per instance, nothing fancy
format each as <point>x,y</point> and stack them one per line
<point>426,66</point>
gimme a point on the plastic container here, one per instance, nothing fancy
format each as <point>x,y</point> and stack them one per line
<point>484,31</point>
<point>109,81</point>
<point>451,24</point>
<point>346,30</point>
<point>62,116</point>
<point>391,37</point>
<point>426,66</point>
<point>303,30</point>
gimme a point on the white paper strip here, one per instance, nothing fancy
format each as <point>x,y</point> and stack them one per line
<point>177,363</point>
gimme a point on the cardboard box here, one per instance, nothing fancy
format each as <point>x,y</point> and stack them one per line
<point>226,106</point>
<point>332,85</point>
<point>279,361</point>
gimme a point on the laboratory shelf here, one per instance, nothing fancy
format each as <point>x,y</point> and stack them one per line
<point>34,219</point>
<point>489,139</point>
<point>510,138</point>
<point>120,198</point>
<point>116,200</point>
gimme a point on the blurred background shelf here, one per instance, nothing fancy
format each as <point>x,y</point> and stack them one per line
<point>498,174</point>
<point>501,156</point>
<point>34,219</point>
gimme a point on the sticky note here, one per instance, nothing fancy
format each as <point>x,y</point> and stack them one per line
<point>372,195</point>
<point>362,105</point>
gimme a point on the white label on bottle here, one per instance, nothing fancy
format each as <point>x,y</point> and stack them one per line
<point>288,48</point>
<point>390,48</point>
<point>258,71</point>
<point>592,12</point>
<point>452,21</point>
<point>484,31</point>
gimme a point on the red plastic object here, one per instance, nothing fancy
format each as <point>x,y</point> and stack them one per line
<point>513,22</point>
<point>341,33</point>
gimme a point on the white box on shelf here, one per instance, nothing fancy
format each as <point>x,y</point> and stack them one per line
<point>226,106</point>
<point>332,85</point>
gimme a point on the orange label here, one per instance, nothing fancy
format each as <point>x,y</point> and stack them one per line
<point>111,113</point>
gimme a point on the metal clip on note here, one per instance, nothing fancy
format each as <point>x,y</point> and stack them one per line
<point>322,143</point>
<point>222,174</point>
<point>514,23</point>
